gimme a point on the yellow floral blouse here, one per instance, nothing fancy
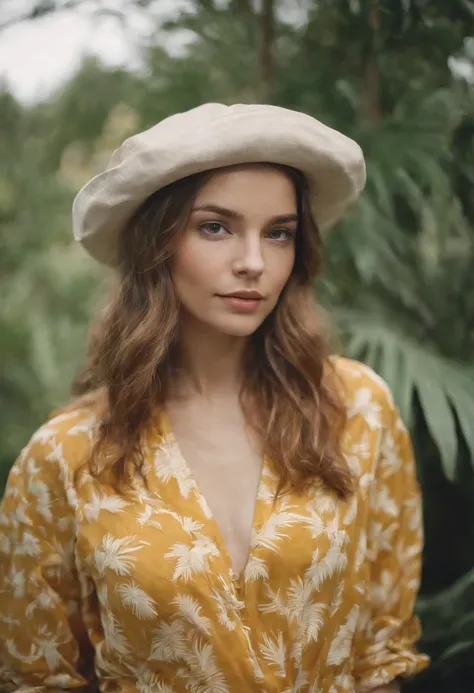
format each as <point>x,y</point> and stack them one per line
<point>135,593</point>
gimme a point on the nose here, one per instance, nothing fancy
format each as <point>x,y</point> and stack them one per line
<point>249,258</point>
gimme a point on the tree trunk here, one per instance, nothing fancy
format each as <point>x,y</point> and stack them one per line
<point>267,35</point>
<point>371,90</point>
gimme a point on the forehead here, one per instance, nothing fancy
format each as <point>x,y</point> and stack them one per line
<point>250,183</point>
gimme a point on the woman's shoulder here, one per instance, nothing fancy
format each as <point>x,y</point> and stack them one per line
<point>61,444</point>
<point>77,424</point>
<point>363,390</point>
<point>43,473</point>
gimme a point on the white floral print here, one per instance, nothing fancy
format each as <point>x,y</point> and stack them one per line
<point>139,589</point>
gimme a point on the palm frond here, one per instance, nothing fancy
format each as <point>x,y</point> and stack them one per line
<point>445,388</point>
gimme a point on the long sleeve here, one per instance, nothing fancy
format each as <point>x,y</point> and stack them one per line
<point>388,631</point>
<point>43,643</point>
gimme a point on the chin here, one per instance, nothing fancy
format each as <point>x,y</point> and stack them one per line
<point>240,327</point>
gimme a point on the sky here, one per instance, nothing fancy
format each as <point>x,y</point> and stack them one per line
<point>37,56</point>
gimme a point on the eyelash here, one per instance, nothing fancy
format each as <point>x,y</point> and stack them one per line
<point>202,227</point>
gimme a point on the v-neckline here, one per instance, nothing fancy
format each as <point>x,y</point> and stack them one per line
<point>236,578</point>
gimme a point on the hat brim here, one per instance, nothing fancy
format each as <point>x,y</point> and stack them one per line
<point>332,164</point>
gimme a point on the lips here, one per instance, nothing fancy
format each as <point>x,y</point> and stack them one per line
<point>245,295</point>
<point>243,301</point>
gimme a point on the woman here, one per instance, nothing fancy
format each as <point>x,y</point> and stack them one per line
<point>225,507</point>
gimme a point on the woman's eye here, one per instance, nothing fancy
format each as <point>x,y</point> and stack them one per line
<point>212,228</point>
<point>281,235</point>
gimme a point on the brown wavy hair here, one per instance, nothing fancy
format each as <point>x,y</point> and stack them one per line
<point>290,393</point>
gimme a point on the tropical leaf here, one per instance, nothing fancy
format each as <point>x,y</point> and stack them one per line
<point>445,389</point>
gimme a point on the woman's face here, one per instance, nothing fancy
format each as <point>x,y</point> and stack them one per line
<point>238,249</point>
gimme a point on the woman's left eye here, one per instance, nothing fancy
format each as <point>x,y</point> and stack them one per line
<point>212,228</point>
<point>281,235</point>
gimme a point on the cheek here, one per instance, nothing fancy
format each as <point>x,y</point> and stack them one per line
<point>193,267</point>
<point>282,267</point>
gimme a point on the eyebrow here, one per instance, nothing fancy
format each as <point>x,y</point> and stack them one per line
<point>231,214</point>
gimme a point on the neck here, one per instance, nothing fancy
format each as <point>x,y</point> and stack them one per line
<point>208,363</point>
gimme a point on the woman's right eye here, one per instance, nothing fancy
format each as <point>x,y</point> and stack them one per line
<point>212,228</point>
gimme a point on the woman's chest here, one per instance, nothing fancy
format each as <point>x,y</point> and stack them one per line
<point>225,464</point>
<point>162,542</point>
<point>162,548</point>
<point>156,567</point>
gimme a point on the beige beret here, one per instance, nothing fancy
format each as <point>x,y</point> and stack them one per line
<point>208,137</point>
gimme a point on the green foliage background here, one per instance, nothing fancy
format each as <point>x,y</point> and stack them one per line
<point>399,273</point>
